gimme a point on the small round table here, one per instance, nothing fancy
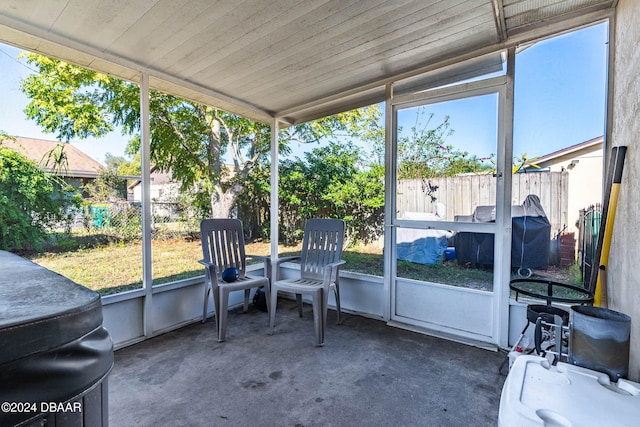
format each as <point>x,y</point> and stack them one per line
<point>551,291</point>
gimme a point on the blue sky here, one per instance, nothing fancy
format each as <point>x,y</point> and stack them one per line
<point>14,122</point>
<point>560,91</point>
<point>559,101</point>
<point>473,121</point>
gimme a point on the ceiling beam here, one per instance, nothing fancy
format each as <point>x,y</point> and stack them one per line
<point>498,14</point>
<point>564,20</point>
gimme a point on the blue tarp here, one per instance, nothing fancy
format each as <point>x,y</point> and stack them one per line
<point>425,250</point>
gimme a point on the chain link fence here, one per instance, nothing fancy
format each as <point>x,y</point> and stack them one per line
<point>122,221</point>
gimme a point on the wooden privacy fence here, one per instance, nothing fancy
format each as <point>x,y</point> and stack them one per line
<point>461,194</point>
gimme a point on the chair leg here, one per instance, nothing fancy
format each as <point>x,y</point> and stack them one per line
<point>325,309</point>
<point>216,305</point>
<point>272,309</point>
<point>336,289</point>
<point>299,301</point>
<point>207,289</point>
<point>245,308</point>
<point>222,314</point>
<point>267,296</point>
<point>318,317</point>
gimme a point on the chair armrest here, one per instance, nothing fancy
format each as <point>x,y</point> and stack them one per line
<point>279,261</point>
<point>283,260</point>
<point>267,263</point>
<point>286,259</point>
<point>210,269</point>
<point>335,264</point>
<point>264,258</point>
<point>331,271</point>
<point>206,263</point>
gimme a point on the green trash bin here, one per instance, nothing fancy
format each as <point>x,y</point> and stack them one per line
<point>101,216</point>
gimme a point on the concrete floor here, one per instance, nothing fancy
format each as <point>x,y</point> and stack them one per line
<point>367,374</point>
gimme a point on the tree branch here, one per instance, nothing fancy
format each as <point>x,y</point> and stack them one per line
<point>166,118</point>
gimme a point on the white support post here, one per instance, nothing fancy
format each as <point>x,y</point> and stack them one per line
<point>502,256</point>
<point>145,140</point>
<point>390,159</point>
<point>274,197</point>
<point>608,122</point>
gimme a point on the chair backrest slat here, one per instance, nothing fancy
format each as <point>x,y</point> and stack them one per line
<point>223,244</point>
<point>321,245</point>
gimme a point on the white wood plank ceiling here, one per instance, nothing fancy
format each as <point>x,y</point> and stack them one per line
<point>294,59</point>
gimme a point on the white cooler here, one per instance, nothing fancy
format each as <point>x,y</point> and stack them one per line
<point>536,393</point>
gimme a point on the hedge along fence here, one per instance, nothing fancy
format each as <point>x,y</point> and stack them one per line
<point>461,194</point>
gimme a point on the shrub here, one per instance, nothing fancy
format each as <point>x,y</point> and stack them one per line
<point>31,200</point>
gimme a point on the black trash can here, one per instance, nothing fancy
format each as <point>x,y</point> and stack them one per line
<point>55,354</point>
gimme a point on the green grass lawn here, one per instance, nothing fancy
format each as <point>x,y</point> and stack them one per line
<point>116,267</point>
<point>113,268</point>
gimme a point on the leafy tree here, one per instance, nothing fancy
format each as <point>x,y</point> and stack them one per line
<point>360,202</point>
<point>330,183</point>
<point>423,152</point>
<point>255,211</point>
<point>189,139</point>
<point>31,200</point>
<point>130,167</point>
<point>113,162</point>
<point>121,166</point>
<point>107,187</point>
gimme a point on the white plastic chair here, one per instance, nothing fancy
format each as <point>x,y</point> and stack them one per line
<point>222,248</point>
<point>319,272</point>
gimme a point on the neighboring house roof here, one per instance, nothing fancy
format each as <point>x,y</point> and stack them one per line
<point>568,152</point>
<point>78,165</point>
<point>157,178</point>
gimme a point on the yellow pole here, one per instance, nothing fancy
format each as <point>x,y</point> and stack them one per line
<point>600,299</point>
<point>600,292</point>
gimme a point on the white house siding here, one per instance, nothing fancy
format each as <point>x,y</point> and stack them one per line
<point>623,277</point>
<point>585,181</point>
<point>159,192</point>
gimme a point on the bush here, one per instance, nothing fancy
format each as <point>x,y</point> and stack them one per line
<point>31,201</point>
<point>329,183</point>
